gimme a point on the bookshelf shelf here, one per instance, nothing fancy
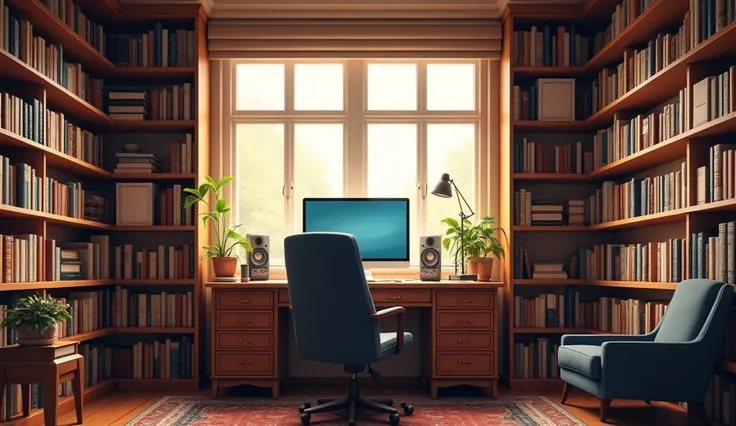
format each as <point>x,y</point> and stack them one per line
<point>540,228</point>
<point>146,126</point>
<point>551,177</point>
<point>155,228</point>
<point>552,126</point>
<point>548,71</point>
<point>154,176</point>
<point>40,285</point>
<point>154,330</point>
<point>7,211</point>
<point>83,337</point>
<point>137,281</point>
<point>550,281</point>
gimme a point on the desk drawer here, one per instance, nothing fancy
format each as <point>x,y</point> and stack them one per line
<point>284,297</point>
<point>464,300</point>
<point>243,300</point>
<point>465,319</point>
<point>399,296</point>
<point>253,340</point>
<point>460,340</point>
<point>244,319</point>
<point>465,363</point>
<point>244,364</point>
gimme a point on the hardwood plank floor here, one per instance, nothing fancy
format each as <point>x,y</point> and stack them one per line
<point>120,407</point>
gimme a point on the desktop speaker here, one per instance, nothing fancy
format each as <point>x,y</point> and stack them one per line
<point>430,262</point>
<point>258,258</point>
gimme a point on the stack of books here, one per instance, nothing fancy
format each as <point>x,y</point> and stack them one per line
<point>549,271</point>
<point>129,105</point>
<point>576,212</point>
<point>133,162</point>
<point>546,213</point>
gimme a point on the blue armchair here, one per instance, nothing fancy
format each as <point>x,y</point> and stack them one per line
<point>335,320</point>
<point>675,362</point>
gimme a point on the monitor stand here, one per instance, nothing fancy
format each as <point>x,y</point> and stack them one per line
<point>368,275</point>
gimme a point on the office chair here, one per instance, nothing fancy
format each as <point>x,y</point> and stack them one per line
<point>335,320</point>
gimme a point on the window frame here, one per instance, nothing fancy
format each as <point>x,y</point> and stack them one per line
<point>355,118</point>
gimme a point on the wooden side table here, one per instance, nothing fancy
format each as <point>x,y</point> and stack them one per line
<point>49,366</point>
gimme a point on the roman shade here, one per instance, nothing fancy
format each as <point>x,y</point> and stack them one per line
<point>354,38</point>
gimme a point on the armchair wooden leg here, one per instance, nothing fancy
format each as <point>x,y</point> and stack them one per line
<point>698,408</point>
<point>565,392</point>
<point>605,406</point>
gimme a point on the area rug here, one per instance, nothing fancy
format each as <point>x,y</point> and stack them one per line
<point>506,411</point>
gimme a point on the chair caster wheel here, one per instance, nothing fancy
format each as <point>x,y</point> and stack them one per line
<point>304,407</point>
<point>306,418</point>
<point>408,409</point>
<point>394,418</point>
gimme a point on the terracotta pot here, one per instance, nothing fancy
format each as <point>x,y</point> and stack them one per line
<point>36,338</point>
<point>481,266</point>
<point>225,266</point>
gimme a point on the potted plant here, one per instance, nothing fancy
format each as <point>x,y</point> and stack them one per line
<point>222,252</point>
<point>478,241</point>
<point>35,319</point>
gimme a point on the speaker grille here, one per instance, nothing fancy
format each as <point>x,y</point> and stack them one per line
<point>259,257</point>
<point>430,257</point>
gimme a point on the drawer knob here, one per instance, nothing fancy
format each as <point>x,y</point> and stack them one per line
<point>245,341</point>
<point>251,362</point>
<point>464,300</point>
<point>464,320</point>
<point>464,341</point>
<point>242,320</point>
<point>394,297</point>
<point>464,362</point>
<point>245,301</point>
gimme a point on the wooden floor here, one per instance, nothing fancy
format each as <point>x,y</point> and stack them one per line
<point>118,408</point>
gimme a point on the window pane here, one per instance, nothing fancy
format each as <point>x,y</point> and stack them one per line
<point>450,149</point>
<point>260,181</point>
<point>392,170</point>
<point>392,87</point>
<point>317,164</point>
<point>259,87</point>
<point>451,87</point>
<point>318,87</point>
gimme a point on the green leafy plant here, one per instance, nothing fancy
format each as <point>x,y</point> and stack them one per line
<point>227,238</point>
<point>478,239</point>
<point>36,313</point>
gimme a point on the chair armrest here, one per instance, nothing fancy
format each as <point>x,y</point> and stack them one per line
<point>398,311</point>
<point>599,339</point>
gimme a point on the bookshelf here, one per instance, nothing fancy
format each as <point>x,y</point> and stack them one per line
<point>54,125</point>
<point>611,158</point>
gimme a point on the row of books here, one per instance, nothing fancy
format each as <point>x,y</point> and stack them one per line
<point>62,135</point>
<point>165,309</point>
<point>662,261</point>
<point>716,181</point>
<point>607,314</point>
<point>163,262</point>
<point>527,100</point>
<point>547,212</point>
<point>145,162</point>
<point>71,14</point>
<point>713,256</point>
<point>714,97</point>
<point>163,103</point>
<point>533,157</point>
<point>19,185</point>
<point>159,47</point>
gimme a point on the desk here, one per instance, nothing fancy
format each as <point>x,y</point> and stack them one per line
<point>249,330</point>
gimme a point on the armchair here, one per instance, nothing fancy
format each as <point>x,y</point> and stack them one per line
<point>335,320</point>
<point>675,362</point>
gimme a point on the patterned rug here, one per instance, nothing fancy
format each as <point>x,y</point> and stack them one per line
<point>506,411</point>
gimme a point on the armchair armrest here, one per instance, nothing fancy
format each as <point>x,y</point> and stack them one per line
<point>652,359</point>
<point>398,311</point>
<point>599,339</point>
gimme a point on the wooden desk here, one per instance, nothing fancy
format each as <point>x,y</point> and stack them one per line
<point>249,345</point>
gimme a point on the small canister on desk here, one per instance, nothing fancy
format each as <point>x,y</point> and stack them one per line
<point>244,273</point>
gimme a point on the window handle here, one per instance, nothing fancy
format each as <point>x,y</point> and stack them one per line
<point>286,193</point>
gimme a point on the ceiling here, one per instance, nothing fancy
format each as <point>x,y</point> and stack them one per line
<point>352,8</point>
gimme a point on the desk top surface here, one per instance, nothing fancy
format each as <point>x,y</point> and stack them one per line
<point>378,284</point>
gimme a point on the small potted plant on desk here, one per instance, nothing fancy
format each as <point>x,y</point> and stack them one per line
<point>476,242</point>
<point>35,319</point>
<point>222,252</point>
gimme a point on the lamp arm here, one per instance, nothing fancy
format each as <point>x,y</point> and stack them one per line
<point>461,197</point>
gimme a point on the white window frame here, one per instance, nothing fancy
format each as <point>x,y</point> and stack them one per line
<point>355,118</point>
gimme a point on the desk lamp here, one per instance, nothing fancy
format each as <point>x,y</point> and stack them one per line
<point>443,189</point>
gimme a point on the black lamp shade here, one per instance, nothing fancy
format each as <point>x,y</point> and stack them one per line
<point>443,188</point>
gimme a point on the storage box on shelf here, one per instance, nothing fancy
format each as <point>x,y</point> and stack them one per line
<point>645,157</point>
<point>64,233</point>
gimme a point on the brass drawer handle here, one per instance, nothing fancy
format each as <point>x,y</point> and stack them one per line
<point>464,341</point>
<point>460,361</point>
<point>394,297</point>
<point>251,362</point>
<point>245,341</point>
<point>242,320</point>
<point>464,300</point>
<point>464,320</point>
<point>245,301</point>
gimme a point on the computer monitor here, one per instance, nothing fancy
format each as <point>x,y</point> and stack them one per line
<point>380,225</point>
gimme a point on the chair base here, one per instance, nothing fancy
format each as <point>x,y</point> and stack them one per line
<point>352,402</point>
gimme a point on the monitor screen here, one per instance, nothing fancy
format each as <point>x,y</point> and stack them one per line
<point>380,225</point>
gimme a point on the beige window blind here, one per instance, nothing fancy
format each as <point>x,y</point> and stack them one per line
<point>359,38</point>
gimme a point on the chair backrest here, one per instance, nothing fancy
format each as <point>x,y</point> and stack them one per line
<point>330,299</point>
<point>697,303</point>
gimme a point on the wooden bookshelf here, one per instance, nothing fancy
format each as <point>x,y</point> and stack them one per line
<point>691,144</point>
<point>48,162</point>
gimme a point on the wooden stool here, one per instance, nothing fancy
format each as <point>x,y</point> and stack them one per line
<point>49,366</point>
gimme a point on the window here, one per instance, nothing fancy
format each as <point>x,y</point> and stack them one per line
<point>353,128</point>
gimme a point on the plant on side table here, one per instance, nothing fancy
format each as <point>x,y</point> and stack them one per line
<point>477,242</point>
<point>222,252</point>
<point>35,319</point>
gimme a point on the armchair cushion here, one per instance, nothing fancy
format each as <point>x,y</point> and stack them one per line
<point>388,343</point>
<point>584,359</point>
